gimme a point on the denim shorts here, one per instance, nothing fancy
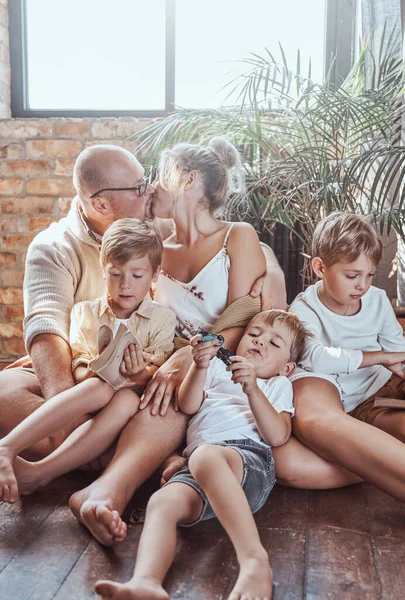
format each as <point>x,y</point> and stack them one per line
<point>257,482</point>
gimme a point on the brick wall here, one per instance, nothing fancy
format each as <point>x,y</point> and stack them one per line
<point>36,164</point>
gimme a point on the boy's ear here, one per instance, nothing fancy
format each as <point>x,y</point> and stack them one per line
<point>289,369</point>
<point>318,267</point>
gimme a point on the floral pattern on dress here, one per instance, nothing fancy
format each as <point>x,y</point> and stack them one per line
<point>193,289</point>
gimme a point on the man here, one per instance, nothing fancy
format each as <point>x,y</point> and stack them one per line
<point>63,268</point>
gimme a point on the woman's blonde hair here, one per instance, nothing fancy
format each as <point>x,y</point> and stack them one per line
<point>345,236</point>
<point>218,164</point>
<point>126,239</point>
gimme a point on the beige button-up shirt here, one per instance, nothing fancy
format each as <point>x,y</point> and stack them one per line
<point>151,323</point>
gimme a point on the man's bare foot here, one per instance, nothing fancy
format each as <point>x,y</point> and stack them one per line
<point>136,589</point>
<point>255,580</point>
<point>103,522</point>
<point>170,466</point>
<point>8,481</point>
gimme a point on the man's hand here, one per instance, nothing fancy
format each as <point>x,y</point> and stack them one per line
<point>134,362</point>
<point>271,289</point>
<point>166,381</point>
<point>243,372</point>
<point>203,352</point>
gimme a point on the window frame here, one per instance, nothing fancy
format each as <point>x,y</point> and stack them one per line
<point>339,16</point>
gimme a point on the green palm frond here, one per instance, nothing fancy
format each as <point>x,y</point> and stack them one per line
<point>309,148</point>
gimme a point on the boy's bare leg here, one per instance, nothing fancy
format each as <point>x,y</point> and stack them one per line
<point>322,425</point>
<point>298,466</point>
<point>86,443</point>
<point>143,445</point>
<point>174,504</point>
<point>219,471</point>
<point>49,417</point>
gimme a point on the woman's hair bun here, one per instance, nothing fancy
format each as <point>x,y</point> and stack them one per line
<point>226,152</point>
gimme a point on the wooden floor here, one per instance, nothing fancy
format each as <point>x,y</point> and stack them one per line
<point>341,544</point>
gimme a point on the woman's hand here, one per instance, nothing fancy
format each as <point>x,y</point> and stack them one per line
<point>134,362</point>
<point>271,289</point>
<point>166,382</point>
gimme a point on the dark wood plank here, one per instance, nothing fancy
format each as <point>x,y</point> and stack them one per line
<point>390,559</point>
<point>387,515</point>
<point>286,550</point>
<point>98,562</point>
<point>343,508</point>
<point>340,564</point>
<point>19,523</point>
<point>204,568</point>
<point>40,567</point>
<point>286,508</point>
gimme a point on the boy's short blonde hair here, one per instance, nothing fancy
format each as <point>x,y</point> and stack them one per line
<point>345,236</point>
<point>298,332</point>
<point>126,239</point>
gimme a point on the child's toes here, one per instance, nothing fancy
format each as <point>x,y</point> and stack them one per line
<point>14,495</point>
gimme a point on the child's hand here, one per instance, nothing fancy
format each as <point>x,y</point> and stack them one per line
<point>391,359</point>
<point>134,361</point>
<point>243,372</point>
<point>394,361</point>
<point>203,353</point>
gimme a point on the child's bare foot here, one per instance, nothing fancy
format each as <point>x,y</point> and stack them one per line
<point>170,466</point>
<point>104,523</point>
<point>28,476</point>
<point>136,589</point>
<point>255,580</point>
<point>8,481</point>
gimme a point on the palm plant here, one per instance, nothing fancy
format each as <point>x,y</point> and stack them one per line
<point>309,148</point>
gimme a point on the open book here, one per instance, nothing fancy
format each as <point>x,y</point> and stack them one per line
<point>107,363</point>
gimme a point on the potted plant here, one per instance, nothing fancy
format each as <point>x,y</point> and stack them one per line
<point>309,148</point>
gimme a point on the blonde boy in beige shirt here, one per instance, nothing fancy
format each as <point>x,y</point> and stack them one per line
<point>131,253</point>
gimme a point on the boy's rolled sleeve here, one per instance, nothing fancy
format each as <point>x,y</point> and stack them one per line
<point>329,360</point>
<point>161,340</point>
<point>81,354</point>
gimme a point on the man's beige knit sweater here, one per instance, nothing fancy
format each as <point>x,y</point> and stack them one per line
<point>62,268</point>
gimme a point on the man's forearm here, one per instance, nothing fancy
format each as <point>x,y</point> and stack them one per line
<point>52,362</point>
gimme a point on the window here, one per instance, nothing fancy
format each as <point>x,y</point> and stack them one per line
<point>142,57</point>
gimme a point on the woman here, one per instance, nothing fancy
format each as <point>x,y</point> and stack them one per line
<point>207,264</point>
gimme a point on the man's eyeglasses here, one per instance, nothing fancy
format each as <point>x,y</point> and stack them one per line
<point>138,189</point>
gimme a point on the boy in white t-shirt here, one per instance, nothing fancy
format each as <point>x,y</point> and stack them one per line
<point>230,468</point>
<point>130,255</point>
<point>359,347</point>
<point>357,341</point>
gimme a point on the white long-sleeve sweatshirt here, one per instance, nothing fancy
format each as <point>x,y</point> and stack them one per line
<point>338,342</point>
